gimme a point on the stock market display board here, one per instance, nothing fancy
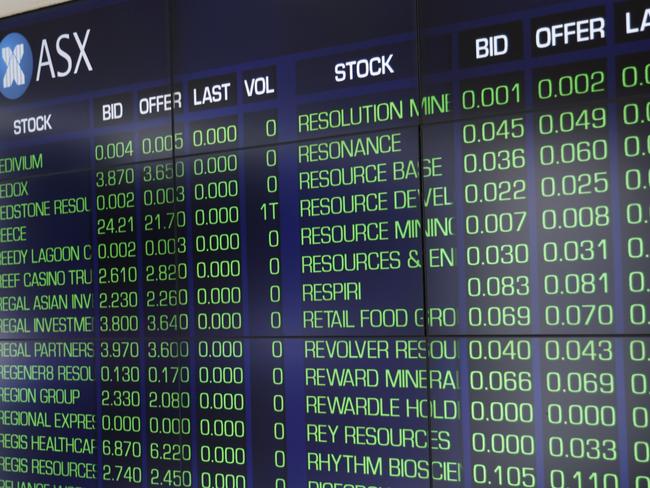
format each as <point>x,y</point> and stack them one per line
<point>342,244</point>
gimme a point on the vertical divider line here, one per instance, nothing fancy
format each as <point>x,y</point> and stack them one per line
<point>96,317</point>
<point>170,49</point>
<point>138,188</point>
<point>461,287</point>
<point>615,205</point>
<point>537,343</point>
<point>423,246</point>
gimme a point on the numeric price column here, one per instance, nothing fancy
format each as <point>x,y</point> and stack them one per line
<point>220,399</point>
<point>501,393</point>
<point>120,332</point>
<point>581,428</point>
<point>495,198</point>
<point>162,222</point>
<point>574,215</point>
<point>496,225</point>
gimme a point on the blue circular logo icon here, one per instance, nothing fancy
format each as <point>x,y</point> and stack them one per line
<point>16,65</point>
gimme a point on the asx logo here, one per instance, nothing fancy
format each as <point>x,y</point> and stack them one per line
<point>17,65</point>
<point>16,71</point>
